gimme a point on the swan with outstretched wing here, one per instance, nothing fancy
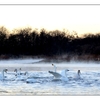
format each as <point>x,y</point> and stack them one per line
<point>57,75</point>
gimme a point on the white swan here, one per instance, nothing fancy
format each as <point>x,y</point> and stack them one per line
<point>16,72</point>
<point>24,73</point>
<point>78,75</point>
<point>3,75</point>
<point>55,68</point>
<point>19,72</point>
<point>34,78</point>
<point>64,72</point>
<point>55,74</point>
<point>8,77</point>
<point>59,75</point>
<point>62,75</point>
<point>20,76</point>
<point>24,77</point>
<point>31,80</point>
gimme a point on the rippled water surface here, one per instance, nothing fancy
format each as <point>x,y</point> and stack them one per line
<point>39,82</point>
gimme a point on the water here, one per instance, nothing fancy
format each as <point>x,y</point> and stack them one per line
<point>40,82</point>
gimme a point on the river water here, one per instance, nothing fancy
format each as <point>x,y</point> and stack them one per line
<point>43,83</point>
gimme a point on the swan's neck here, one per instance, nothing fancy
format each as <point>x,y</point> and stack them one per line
<point>16,72</point>
<point>55,68</point>
<point>65,73</point>
<point>3,74</point>
<point>78,74</point>
<point>19,71</point>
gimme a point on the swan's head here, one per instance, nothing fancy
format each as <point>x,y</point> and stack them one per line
<point>79,72</point>
<point>5,70</point>
<point>66,70</point>
<point>26,73</point>
<point>15,70</point>
<point>20,69</point>
<point>50,71</point>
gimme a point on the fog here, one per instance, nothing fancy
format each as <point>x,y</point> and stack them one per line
<point>40,65</point>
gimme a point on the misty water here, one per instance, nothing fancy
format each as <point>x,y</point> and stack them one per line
<point>39,81</point>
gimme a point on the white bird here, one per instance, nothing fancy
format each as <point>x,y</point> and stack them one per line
<point>59,75</point>
<point>78,75</point>
<point>20,76</point>
<point>55,74</point>
<point>62,75</point>
<point>22,73</point>
<point>3,74</point>
<point>31,80</point>
<point>55,68</point>
<point>16,72</point>
<point>8,77</point>
<point>19,72</point>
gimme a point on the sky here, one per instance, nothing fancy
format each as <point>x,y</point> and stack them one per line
<point>79,18</point>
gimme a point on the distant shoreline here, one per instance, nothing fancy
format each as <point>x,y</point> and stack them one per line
<point>57,59</point>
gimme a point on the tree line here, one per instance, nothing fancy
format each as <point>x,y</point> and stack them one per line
<point>47,43</point>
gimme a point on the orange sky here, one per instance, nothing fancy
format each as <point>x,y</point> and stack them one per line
<point>79,18</point>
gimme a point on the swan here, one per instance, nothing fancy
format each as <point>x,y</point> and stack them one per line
<point>78,75</point>
<point>19,72</point>
<point>37,78</point>
<point>10,76</point>
<point>7,77</point>
<point>20,76</point>
<point>79,72</point>
<point>58,76</point>
<point>62,75</point>
<point>2,75</point>
<point>31,80</point>
<point>55,74</point>
<point>55,68</point>
<point>24,73</point>
<point>34,78</point>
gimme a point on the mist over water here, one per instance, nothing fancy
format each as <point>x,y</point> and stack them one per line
<point>43,83</point>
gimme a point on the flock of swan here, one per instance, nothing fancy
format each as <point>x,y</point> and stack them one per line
<point>63,74</point>
<point>18,75</point>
